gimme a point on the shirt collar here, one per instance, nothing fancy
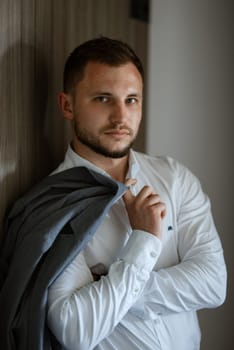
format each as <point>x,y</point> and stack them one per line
<point>73,159</point>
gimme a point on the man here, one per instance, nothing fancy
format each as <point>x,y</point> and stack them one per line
<point>156,258</point>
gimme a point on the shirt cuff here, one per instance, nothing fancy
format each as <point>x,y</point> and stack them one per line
<point>142,250</point>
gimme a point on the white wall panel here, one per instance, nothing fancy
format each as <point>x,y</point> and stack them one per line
<point>191,117</point>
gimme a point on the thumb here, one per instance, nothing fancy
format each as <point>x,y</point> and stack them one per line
<point>128,196</point>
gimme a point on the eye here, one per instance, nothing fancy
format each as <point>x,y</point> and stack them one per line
<point>102,99</point>
<point>131,100</point>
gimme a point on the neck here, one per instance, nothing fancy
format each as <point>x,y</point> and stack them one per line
<point>116,167</point>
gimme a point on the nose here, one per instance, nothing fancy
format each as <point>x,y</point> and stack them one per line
<point>119,113</point>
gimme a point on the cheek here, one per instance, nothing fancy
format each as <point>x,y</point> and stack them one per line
<point>84,115</point>
<point>91,111</point>
<point>137,119</point>
<point>90,121</point>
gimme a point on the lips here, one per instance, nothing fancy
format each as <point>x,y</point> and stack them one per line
<point>117,135</point>
<point>117,132</point>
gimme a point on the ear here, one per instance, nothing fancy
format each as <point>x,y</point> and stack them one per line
<point>66,105</point>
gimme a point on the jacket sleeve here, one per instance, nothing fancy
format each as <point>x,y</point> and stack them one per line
<point>82,312</point>
<point>199,279</point>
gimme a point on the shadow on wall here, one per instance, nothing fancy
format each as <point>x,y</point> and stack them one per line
<point>24,151</point>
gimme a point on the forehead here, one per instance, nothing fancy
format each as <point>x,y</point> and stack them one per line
<point>96,73</point>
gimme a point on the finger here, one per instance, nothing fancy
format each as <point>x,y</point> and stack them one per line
<point>130,182</point>
<point>160,209</point>
<point>153,199</point>
<point>128,196</point>
<point>163,213</point>
<point>145,193</point>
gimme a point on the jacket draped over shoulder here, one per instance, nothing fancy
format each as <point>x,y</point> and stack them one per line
<point>45,230</point>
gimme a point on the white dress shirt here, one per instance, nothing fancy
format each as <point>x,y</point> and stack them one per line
<point>127,289</point>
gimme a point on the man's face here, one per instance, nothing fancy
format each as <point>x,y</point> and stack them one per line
<point>107,108</point>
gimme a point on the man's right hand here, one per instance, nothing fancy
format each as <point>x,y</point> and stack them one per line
<point>145,211</point>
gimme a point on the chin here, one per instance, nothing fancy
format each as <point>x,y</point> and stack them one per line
<point>113,153</point>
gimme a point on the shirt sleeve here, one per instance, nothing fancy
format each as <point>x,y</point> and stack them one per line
<point>199,279</point>
<point>82,312</point>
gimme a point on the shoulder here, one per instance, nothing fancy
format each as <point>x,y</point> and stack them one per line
<point>162,164</point>
<point>173,174</point>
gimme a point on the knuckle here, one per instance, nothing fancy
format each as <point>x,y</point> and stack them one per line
<point>156,197</point>
<point>163,205</point>
<point>147,189</point>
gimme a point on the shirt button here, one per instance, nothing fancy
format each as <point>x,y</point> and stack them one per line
<point>153,254</point>
<point>136,290</point>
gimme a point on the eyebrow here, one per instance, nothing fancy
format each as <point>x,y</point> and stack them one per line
<point>104,93</point>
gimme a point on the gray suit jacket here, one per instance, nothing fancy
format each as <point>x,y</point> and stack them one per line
<point>45,230</point>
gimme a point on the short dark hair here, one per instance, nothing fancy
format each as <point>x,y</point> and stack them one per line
<point>104,50</point>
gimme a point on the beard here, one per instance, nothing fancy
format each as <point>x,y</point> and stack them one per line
<point>95,144</point>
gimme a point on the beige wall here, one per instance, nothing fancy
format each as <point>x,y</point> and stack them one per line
<point>35,38</point>
<point>191,117</point>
